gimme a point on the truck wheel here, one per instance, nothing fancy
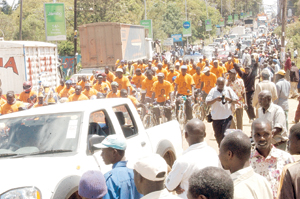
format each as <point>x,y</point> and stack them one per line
<point>75,196</point>
<point>166,150</point>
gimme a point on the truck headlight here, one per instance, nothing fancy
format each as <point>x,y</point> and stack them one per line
<point>22,193</point>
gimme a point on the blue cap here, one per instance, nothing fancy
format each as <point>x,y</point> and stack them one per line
<point>113,141</point>
<point>69,82</point>
<point>184,67</point>
<point>173,78</point>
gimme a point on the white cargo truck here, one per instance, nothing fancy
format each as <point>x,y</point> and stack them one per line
<point>27,61</point>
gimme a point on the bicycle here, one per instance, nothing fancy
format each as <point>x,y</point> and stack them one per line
<point>200,108</point>
<point>181,116</point>
<point>149,118</point>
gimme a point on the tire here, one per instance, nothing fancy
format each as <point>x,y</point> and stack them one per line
<point>148,121</point>
<point>181,119</point>
<point>202,113</point>
<point>197,111</point>
<point>166,150</point>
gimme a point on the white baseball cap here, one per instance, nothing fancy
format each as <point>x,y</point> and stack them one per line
<point>119,70</point>
<point>180,59</point>
<point>206,69</point>
<point>149,167</point>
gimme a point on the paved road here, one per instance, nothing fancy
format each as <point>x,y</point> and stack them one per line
<point>210,138</point>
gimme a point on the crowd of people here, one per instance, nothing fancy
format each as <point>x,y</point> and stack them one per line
<point>239,171</point>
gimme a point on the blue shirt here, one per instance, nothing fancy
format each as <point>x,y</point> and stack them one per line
<point>120,183</point>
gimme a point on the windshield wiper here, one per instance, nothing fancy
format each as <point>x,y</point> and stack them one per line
<point>51,151</point>
<point>7,154</point>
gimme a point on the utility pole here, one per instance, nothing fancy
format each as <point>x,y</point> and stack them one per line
<point>283,26</point>
<point>221,8</point>
<point>75,35</point>
<point>186,18</point>
<point>20,25</point>
<point>145,5</point>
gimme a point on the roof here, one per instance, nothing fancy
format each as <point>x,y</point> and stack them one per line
<point>29,43</point>
<point>79,106</point>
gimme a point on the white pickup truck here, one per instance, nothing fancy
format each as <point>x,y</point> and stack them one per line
<point>44,151</point>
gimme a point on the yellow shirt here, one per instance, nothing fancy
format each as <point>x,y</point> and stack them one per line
<point>162,91</point>
<point>184,83</point>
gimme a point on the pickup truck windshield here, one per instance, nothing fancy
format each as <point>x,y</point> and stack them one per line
<point>39,134</point>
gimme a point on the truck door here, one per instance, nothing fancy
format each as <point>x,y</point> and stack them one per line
<point>137,143</point>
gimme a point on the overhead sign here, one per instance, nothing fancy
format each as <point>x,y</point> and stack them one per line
<point>236,17</point>
<point>177,37</point>
<point>262,18</point>
<point>187,29</point>
<point>242,15</point>
<point>148,25</point>
<point>208,25</point>
<point>221,22</point>
<point>55,23</point>
<point>229,20</point>
<point>168,42</point>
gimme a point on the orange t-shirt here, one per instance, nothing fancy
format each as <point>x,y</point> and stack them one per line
<point>217,71</point>
<point>141,66</point>
<point>147,85</point>
<point>224,69</point>
<point>37,105</point>
<point>184,83</point>
<point>201,64</point>
<point>209,82</point>
<point>90,93</point>
<point>2,101</point>
<point>137,80</point>
<point>7,108</point>
<point>108,84</point>
<point>100,87</point>
<point>123,82</point>
<point>165,66</point>
<point>164,71</point>
<point>229,66</point>
<point>133,99</point>
<point>82,84</point>
<point>75,97</point>
<point>192,71</point>
<point>25,96</point>
<point>171,75</point>
<point>198,80</point>
<point>110,77</point>
<point>242,69</point>
<point>59,88</point>
<point>162,91</point>
<point>113,95</point>
<point>66,92</point>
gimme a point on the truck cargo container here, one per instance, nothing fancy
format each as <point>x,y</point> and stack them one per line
<point>27,61</point>
<point>103,43</point>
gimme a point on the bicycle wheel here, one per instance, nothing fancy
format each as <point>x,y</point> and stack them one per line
<point>196,111</point>
<point>148,121</point>
<point>181,119</point>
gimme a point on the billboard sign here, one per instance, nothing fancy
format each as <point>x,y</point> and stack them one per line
<point>229,20</point>
<point>187,29</point>
<point>208,25</point>
<point>148,25</point>
<point>55,23</point>
<point>177,37</point>
<point>222,22</point>
<point>168,42</point>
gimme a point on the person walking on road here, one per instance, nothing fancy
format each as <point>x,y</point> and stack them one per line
<point>221,98</point>
<point>294,77</point>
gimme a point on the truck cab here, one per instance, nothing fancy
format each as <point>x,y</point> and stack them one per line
<point>47,149</point>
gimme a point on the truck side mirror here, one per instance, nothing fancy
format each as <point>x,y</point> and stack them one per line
<point>94,140</point>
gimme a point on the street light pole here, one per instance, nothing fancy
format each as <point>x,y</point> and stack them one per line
<point>283,21</point>
<point>20,25</point>
<point>221,8</point>
<point>75,36</point>
<point>145,9</point>
<point>187,38</point>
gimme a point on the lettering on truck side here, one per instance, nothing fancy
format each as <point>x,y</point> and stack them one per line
<point>10,64</point>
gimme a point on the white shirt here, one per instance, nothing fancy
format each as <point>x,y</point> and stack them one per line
<point>221,111</point>
<point>276,116</point>
<point>163,194</point>
<point>250,185</point>
<point>195,158</point>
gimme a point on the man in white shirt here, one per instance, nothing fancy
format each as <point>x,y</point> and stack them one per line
<point>198,156</point>
<point>234,155</point>
<point>149,176</point>
<point>276,116</point>
<point>221,98</point>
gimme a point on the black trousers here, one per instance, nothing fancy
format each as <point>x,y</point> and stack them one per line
<point>250,110</point>
<point>220,127</point>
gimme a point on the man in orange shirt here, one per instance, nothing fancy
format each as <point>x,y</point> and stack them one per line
<point>100,86</point>
<point>223,67</point>
<point>201,63</point>
<point>171,74</point>
<point>147,85</point>
<point>197,78</point>
<point>61,86</point>
<point>138,78</point>
<point>67,90</point>
<point>83,81</point>
<point>27,93</point>
<point>78,79</point>
<point>40,101</point>
<point>229,64</point>
<point>88,91</point>
<point>122,64</point>
<point>160,69</point>
<point>121,80</point>
<point>216,69</point>
<point>140,65</point>
<point>208,79</point>
<point>177,65</point>
<point>192,70</point>
<point>124,94</point>
<point>165,65</point>
<point>184,83</point>
<point>12,104</point>
<point>77,96</point>
<point>114,93</point>
<point>110,75</point>
<point>105,80</point>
